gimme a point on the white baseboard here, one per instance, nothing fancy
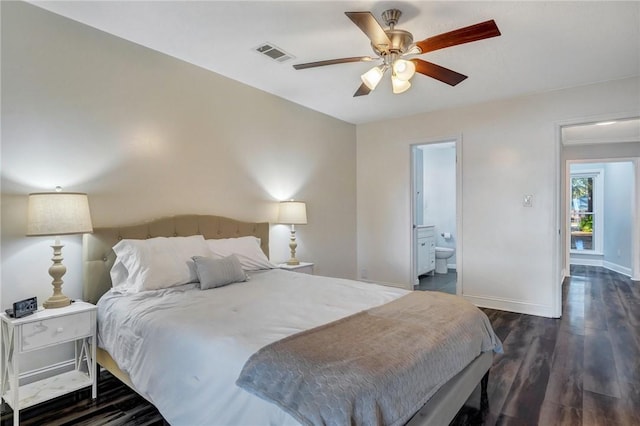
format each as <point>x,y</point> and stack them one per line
<point>617,268</point>
<point>603,263</point>
<point>511,305</point>
<point>586,262</point>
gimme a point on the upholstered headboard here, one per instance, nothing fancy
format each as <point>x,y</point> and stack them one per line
<point>98,257</point>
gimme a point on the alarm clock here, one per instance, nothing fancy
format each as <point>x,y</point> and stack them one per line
<point>23,308</point>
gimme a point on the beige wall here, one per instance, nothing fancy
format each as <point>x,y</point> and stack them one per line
<point>146,135</point>
<point>509,149</point>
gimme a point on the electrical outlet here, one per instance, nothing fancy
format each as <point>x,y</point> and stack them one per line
<point>363,273</point>
<point>527,201</point>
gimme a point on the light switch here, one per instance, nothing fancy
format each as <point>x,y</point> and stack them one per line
<point>527,201</point>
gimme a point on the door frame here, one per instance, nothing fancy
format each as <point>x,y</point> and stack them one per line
<point>457,140</point>
<point>560,260</point>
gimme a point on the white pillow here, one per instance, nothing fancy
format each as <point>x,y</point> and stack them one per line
<point>247,249</point>
<point>156,263</point>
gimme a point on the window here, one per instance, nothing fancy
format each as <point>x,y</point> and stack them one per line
<point>586,216</point>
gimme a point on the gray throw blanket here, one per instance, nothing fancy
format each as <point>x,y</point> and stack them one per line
<point>377,367</point>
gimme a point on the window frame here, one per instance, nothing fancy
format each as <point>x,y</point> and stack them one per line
<point>598,208</point>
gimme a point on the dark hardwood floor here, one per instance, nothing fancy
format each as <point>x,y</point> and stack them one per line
<point>116,405</point>
<point>582,369</point>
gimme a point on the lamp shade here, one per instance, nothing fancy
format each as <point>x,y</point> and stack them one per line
<point>372,77</point>
<point>58,213</point>
<point>403,69</point>
<point>399,86</point>
<point>292,213</point>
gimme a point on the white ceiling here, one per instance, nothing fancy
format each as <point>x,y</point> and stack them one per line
<point>544,46</point>
<point>614,131</point>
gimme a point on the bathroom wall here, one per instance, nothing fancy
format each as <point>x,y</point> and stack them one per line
<point>440,192</point>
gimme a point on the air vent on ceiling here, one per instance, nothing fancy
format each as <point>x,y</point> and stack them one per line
<point>274,52</point>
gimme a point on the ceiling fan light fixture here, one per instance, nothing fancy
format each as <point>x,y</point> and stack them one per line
<point>392,45</point>
<point>372,77</point>
<point>403,69</point>
<point>399,85</point>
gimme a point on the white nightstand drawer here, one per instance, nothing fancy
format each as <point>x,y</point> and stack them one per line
<point>39,334</point>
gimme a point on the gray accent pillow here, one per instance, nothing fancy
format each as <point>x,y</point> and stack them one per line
<point>218,272</point>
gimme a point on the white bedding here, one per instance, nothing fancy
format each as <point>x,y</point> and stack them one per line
<point>184,348</point>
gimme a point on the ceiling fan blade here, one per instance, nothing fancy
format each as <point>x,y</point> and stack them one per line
<point>468,34</point>
<point>362,90</point>
<point>368,24</point>
<point>333,62</point>
<point>443,74</point>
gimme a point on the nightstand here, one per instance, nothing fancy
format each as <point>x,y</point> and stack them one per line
<point>303,267</point>
<point>43,329</point>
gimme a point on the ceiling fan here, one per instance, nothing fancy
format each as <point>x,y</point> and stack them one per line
<point>393,45</point>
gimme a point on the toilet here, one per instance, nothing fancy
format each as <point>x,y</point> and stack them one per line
<point>442,254</point>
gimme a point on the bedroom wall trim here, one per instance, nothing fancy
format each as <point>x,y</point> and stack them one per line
<point>558,271</point>
<point>595,260</point>
<point>617,268</point>
<point>511,305</point>
<point>598,261</point>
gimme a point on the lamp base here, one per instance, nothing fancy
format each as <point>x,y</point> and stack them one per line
<point>57,270</point>
<point>292,247</point>
<point>57,301</point>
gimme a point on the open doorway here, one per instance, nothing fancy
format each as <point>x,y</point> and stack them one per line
<point>601,214</point>
<point>436,226</point>
<point>590,147</point>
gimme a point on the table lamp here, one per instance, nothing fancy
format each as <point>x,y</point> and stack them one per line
<point>55,214</point>
<point>293,213</point>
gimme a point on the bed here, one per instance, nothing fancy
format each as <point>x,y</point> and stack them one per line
<point>255,306</point>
